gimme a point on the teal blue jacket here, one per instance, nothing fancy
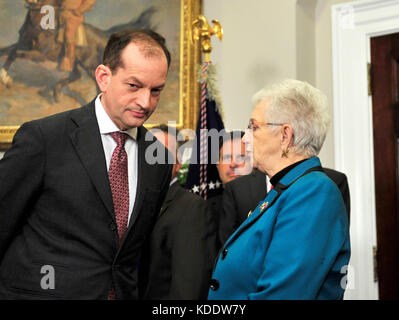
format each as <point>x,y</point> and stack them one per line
<point>294,245</point>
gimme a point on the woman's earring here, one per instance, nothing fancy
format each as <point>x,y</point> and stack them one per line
<point>284,154</point>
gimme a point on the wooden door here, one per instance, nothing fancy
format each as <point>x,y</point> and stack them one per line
<point>385,100</point>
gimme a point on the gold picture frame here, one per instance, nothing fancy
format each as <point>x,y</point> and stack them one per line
<point>189,88</point>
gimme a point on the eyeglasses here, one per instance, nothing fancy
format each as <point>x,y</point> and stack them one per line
<point>252,125</point>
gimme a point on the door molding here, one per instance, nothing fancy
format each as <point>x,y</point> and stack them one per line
<point>353,24</point>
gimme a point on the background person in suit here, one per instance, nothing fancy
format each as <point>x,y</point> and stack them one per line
<point>182,246</point>
<point>233,163</point>
<point>296,242</point>
<point>77,197</point>
<point>244,194</point>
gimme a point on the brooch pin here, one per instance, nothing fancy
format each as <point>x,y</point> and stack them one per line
<point>263,206</point>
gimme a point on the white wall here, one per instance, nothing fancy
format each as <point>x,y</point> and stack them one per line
<point>266,41</point>
<point>256,50</point>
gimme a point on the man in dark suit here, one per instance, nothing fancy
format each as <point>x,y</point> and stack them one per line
<point>243,194</point>
<point>182,246</point>
<point>77,196</point>
<point>233,163</point>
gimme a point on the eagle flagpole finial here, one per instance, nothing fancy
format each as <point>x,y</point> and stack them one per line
<point>202,31</point>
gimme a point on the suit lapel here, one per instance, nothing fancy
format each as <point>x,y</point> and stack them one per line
<point>262,207</point>
<point>170,196</point>
<point>258,185</point>
<point>273,195</point>
<point>86,140</point>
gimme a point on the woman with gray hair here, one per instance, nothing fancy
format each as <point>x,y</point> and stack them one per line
<point>295,244</point>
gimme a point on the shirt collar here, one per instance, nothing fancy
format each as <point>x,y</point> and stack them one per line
<point>173,181</point>
<point>105,124</point>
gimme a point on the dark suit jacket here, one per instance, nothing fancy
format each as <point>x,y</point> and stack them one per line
<point>56,209</point>
<point>182,249</point>
<point>216,206</point>
<point>244,193</point>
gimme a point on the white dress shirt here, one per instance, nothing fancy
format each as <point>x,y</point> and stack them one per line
<point>107,126</point>
<point>268,184</point>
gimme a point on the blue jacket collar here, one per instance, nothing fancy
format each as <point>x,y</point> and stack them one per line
<point>300,170</point>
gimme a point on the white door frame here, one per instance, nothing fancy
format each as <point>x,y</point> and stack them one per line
<point>353,24</point>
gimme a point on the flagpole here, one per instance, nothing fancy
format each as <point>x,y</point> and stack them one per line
<point>203,138</point>
<point>201,31</point>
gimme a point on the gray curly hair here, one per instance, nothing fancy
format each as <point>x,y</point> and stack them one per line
<point>303,107</point>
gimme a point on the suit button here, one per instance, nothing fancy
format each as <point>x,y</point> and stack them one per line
<point>224,253</point>
<point>214,284</point>
<point>112,226</point>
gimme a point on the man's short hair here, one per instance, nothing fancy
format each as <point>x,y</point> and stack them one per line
<point>174,132</point>
<point>149,40</point>
<point>227,136</point>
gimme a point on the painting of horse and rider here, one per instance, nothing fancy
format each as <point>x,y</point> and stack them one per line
<point>49,50</point>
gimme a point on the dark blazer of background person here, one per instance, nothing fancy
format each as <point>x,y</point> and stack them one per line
<point>244,194</point>
<point>182,248</point>
<point>56,209</point>
<point>232,164</point>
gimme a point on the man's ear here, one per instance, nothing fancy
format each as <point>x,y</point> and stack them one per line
<point>103,77</point>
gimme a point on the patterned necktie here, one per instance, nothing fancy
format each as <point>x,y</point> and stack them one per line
<point>119,180</point>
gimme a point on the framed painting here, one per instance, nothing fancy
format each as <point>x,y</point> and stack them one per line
<point>36,82</point>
